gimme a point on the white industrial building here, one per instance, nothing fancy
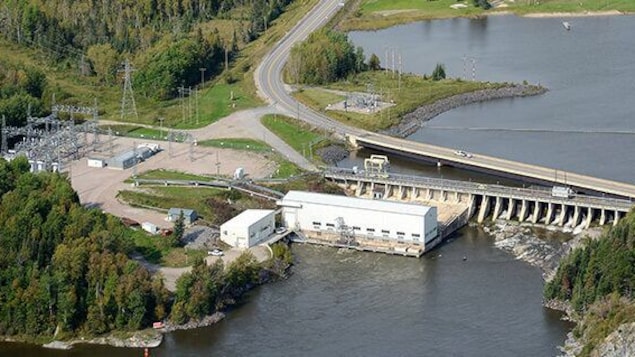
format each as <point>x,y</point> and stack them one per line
<point>249,228</point>
<point>364,218</point>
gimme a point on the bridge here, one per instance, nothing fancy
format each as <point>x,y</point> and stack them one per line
<point>268,79</point>
<point>486,200</point>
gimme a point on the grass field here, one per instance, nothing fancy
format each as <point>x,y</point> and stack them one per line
<point>413,92</point>
<point>299,135</point>
<point>237,144</point>
<point>162,174</point>
<point>376,14</point>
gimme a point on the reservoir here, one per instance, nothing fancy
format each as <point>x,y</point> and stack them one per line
<point>341,303</point>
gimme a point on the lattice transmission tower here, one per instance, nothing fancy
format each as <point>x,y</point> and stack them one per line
<point>128,105</point>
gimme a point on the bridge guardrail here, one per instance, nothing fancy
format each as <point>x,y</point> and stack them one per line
<point>481,188</point>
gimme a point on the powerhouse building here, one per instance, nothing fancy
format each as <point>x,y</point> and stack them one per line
<point>365,218</point>
<point>249,228</point>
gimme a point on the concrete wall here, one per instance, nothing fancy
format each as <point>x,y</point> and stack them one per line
<point>248,235</point>
<point>365,223</point>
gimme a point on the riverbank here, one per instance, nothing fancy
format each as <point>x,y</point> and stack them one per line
<point>363,15</point>
<point>521,240</point>
<point>412,121</point>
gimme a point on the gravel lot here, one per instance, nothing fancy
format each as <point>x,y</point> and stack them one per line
<point>98,187</point>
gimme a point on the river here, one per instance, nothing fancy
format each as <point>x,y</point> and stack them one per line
<point>346,303</point>
<point>583,124</point>
<point>362,304</point>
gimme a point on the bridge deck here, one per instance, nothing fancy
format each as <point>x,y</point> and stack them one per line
<point>476,188</point>
<point>509,167</point>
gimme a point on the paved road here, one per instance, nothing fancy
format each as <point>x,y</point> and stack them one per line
<point>268,74</point>
<point>268,77</point>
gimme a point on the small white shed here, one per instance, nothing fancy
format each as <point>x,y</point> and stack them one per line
<point>93,162</point>
<point>249,228</point>
<point>150,227</point>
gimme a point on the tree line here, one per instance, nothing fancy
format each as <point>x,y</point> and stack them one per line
<point>326,56</point>
<point>602,267</point>
<point>599,281</point>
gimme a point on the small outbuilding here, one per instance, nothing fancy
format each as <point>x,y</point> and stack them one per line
<point>150,227</point>
<point>249,228</point>
<point>188,214</point>
<point>94,162</point>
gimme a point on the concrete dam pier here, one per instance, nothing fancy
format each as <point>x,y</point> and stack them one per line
<point>456,199</point>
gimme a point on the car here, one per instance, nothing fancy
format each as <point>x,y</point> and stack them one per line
<point>463,154</point>
<point>280,230</point>
<point>215,252</point>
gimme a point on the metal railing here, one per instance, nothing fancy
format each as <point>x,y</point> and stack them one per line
<point>534,194</point>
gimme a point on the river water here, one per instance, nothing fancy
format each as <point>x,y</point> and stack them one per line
<point>340,303</point>
<point>584,124</point>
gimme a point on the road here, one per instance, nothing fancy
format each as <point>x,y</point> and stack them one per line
<point>268,78</point>
<point>268,75</point>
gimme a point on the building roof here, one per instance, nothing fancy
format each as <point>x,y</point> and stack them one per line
<point>355,202</point>
<point>127,155</point>
<point>248,217</point>
<point>177,211</point>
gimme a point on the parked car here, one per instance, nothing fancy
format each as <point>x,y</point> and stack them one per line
<point>216,252</point>
<point>280,230</point>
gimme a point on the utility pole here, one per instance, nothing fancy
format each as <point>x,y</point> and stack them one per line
<point>181,90</point>
<point>161,119</point>
<point>196,104</point>
<point>202,69</point>
<point>189,103</point>
<point>217,165</point>
<point>400,69</point>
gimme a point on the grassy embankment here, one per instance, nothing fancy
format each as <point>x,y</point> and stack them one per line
<point>414,92</point>
<point>285,167</point>
<point>376,14</point>
<point>302,137</point>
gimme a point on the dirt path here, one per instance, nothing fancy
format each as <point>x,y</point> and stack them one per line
<point>170,275</point>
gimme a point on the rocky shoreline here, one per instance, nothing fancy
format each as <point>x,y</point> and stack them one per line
<point>412,121</point>
<point>521,241</point>
<point>148,338</point>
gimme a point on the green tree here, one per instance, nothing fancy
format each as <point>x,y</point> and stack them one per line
<point>439,72</point>
<point>374,63</point>
<point>179,230</point>
<point>105,60</point>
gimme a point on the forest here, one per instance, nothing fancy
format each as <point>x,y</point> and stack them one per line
<point>65,270</point>
<point>22,89</point>
<point>162,37</point>
<point>599,281</point>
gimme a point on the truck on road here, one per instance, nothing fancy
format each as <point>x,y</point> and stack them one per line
<point>562,192</point>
